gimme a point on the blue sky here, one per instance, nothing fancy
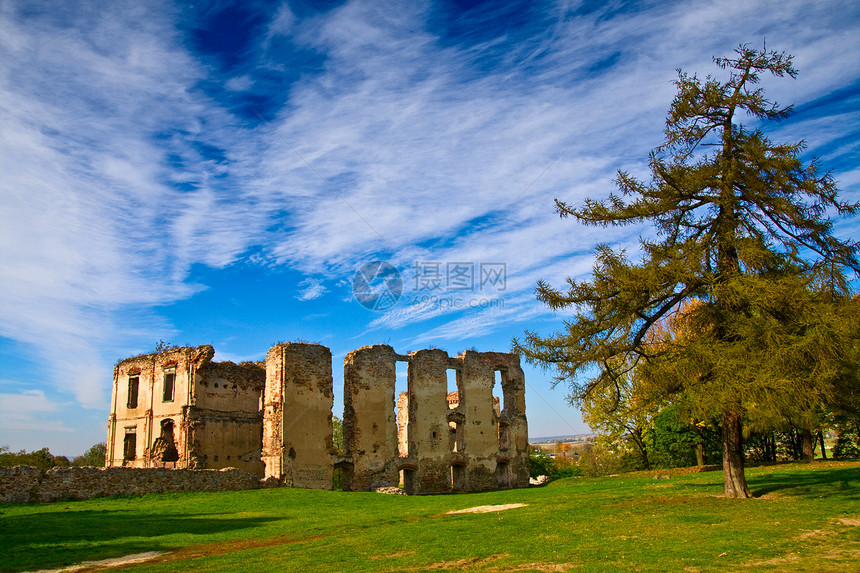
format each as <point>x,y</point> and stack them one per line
<point>217,173</point>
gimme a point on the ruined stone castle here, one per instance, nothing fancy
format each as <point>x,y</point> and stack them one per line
<point>179,409</point>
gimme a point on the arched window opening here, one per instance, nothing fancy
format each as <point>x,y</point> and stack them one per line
<point>503,474</point>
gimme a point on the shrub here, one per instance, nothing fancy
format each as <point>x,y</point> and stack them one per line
<point>600,459</point>
<point>94,457</point>
<point>563,467</point>
<point>540,463</point>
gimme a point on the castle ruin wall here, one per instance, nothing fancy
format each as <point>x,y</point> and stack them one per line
<point>369,425</point>
<point>179,409</point>
<point>297,418</point>
<point>22,484</point>
<point>428,460</point>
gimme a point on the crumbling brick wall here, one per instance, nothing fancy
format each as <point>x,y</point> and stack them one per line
<point>179,409</point>
<point>369,428</point>
<point>22,484</point>
<point>19,484</point>
<point>277,420</point>
<point>297,419</point>
<point>496,444</point>
<point>427,467</point>
<point>472,447</point>
<point>225,426</point>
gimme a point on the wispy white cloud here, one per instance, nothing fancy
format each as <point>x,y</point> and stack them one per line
<point>122,169</point>
<point>310,289</point>
<point>106,199</point>
<point>30,410</point>
<point>416,142</point>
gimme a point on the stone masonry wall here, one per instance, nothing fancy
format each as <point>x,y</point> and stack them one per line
<point>369,428</point>
<point>21,484</point>
<point>179,409</point>
<point>440,442</point>
<point>297,418</point>
<point>429,449</point>
<point>444,446</point>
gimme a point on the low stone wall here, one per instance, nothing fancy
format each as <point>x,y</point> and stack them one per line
<point>21,484</point>
<point>18,484</point>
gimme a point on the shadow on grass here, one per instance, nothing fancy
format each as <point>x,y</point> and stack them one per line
<point>841,483</point>
<point>54,539</point>
<point>796,481</point>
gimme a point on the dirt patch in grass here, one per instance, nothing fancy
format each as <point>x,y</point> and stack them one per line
<point>193,551</point>
<point>773,562</point>
<point>670,472</point>
<point>476,563</point>
<point>812,534</point>
<point>115,562</point>
<point>850,521</point>
<point>461,564</point>
<point>190,552</point>
<point>538,567</point>
<point>393,555</point>
<point>488,508</point>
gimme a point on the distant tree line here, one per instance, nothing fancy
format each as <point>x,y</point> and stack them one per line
<point>43,458</point>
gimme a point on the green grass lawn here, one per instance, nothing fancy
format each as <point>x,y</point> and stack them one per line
<point>804,518</point>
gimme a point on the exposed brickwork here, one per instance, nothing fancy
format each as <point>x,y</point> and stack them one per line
<point>369,429</point>
<point>178,409</point>
<point>24,483</point>
<point>19,484</point>
<point>297,419</point>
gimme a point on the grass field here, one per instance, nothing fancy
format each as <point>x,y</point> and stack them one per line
<point>804,518</point>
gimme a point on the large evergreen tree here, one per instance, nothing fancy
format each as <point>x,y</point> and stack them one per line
<point>741,225</point>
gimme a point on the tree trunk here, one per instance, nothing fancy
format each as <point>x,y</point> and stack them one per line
<point>700,454</point>
<point>821,441</point>
<point>733,456</point>
<point>807,452</point>
<point>636,434</point>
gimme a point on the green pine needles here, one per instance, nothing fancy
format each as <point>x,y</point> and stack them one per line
<point>740,302</point>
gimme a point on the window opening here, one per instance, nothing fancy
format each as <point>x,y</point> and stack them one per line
<point>498,393</point>
<point>455,430</point>
<point>401,407</point>
<point>129,446</point>
<point>453,391</point>
<point>458,477</point>
<point>169,383</point>
<point>502,476</point>
<point>133,383</point>
<point>164,447</point>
